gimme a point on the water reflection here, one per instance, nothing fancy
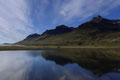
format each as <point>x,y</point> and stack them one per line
<point>60,65</point>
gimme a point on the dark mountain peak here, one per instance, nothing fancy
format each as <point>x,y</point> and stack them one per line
<point>98,19</point>
<point>62,27</point>
<point>101,20</point>
<point>99,16</point>
<point>58,30</point>
<point>101,24</point>
<point>31,37</point>
<point>34,35</point>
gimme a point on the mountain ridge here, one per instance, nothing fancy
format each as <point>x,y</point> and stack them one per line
<point>94,32</point>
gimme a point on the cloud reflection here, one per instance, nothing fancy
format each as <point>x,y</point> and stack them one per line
<point>21,65</point>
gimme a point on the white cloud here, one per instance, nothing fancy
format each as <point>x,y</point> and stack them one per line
<point>85,8</point>
<point>63,12</point>
<point>14,20</point>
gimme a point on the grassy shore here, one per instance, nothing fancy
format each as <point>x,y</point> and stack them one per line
<point>48,47</point>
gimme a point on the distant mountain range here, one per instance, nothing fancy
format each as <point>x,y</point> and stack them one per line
<point>97,32</point>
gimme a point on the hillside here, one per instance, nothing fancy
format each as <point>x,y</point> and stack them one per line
<point>97,32</point>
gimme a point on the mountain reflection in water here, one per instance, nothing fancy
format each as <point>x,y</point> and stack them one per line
<point>77,64</point>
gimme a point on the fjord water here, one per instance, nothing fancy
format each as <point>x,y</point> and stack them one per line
<point>73,64</point>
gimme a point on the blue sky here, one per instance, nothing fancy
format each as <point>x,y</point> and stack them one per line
<point>19,18</point>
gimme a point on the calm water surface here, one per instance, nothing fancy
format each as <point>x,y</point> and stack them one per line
<point>59,65</point>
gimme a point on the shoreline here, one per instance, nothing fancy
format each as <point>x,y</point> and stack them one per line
<point>13,47</point>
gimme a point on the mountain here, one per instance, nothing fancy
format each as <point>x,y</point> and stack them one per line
<point>31,37</point>
<point>97,32</point>
<point>5,44</point>
<point>59,30</point>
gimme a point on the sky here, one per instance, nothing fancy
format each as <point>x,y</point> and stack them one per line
<point>19,18</point>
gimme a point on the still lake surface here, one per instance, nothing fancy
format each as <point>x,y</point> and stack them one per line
<point>60,65</point>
